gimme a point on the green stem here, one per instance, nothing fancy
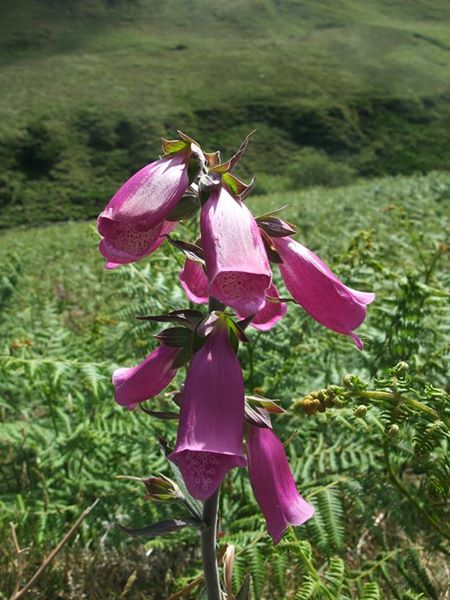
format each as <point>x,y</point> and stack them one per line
<point>391,397</point>
<point>209,534</point>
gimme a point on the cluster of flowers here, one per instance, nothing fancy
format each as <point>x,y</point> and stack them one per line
<point>230,263</point>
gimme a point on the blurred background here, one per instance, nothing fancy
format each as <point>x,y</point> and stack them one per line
<point>350,102</point>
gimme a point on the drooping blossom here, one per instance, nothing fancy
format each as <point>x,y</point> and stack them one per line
<point>273,483</point>
<point>146,380</point>
<point>236,261</point>
<point>315,287</point>
<point>271,312</point>
<point>195,283</point>
<point>116,257</point>
<point>209,441</point>
<point>133,221</point>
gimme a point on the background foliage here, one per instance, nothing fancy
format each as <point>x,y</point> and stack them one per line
<point>378,475</point>
<point>335,89</point>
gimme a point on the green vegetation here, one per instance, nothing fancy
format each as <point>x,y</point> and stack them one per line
<point>378,477</point>
<point>340,89</point>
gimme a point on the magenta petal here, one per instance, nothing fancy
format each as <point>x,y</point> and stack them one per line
<point>273,484</point>
<point>151,193</point>
<point>146,380</point>
<point>194,282</point>
<point>236,260</point>
<point>209,441</point>
<point>315,287</point>
<point>126,243</point>
<point>271,312</point>
<point>134,217</point>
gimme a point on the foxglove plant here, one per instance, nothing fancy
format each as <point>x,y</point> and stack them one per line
<point>227,268</point>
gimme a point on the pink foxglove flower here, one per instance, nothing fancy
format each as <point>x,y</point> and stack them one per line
<point>236,261</point>
<point>146,380</point>
<point>194,282</point>
<point>273,484</point>
<point>209,441</point>
<point>133,220</point>
<point>315,287</point>
<point>116,257</point>
<point>271,312</point>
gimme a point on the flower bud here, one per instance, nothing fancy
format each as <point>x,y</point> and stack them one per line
<point>162,489</point>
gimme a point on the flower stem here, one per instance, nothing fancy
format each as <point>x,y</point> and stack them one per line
<point>210,514</point>
<point>210,568</point>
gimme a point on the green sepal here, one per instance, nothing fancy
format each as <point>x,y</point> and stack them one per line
<point>188,317</point>
<point>236,187</point>
<point>271,406</point>
<point>165,415</point>
<point>187,138</point>
<point>161,528</point>
<point>257,416</point>
<point>185,209</point>
<point>229,165</point>
<point>272,253</point>
<point>191,251</point>
<point>276,227</point>
<point>173,146</point>
<point>175,337</point>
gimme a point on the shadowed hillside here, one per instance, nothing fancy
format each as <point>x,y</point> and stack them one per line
<point>339,89</point>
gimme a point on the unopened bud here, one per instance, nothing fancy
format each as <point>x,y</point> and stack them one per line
<point>360,411</point>
<point>162,489</point>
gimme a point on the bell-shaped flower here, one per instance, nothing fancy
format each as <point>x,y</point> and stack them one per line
<point>133,220</point>
<point>150,240</point>
<point>236,261</point>
<point>271,312</point>
<point>273,483</point>
<point>194,282</point>
<point>209,441</point>
<point>315,287</point>
<point>146,380</point>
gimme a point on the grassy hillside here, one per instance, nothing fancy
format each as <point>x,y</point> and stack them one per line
<point>66,322</point>
<point>335,89</point>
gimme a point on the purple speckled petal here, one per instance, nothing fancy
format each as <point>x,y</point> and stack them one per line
<point>133,219</point>
<point>126,245</point>
<point>209,441</point>
<point>146,380</point>
<point>273,484</point>
<point>315,287</point>
<point>236,261</point>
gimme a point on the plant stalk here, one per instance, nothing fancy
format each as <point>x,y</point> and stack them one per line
<point>209,534</point>
<point>210,516</point>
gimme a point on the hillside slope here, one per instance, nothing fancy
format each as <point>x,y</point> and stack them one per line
<point>89,87</point>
